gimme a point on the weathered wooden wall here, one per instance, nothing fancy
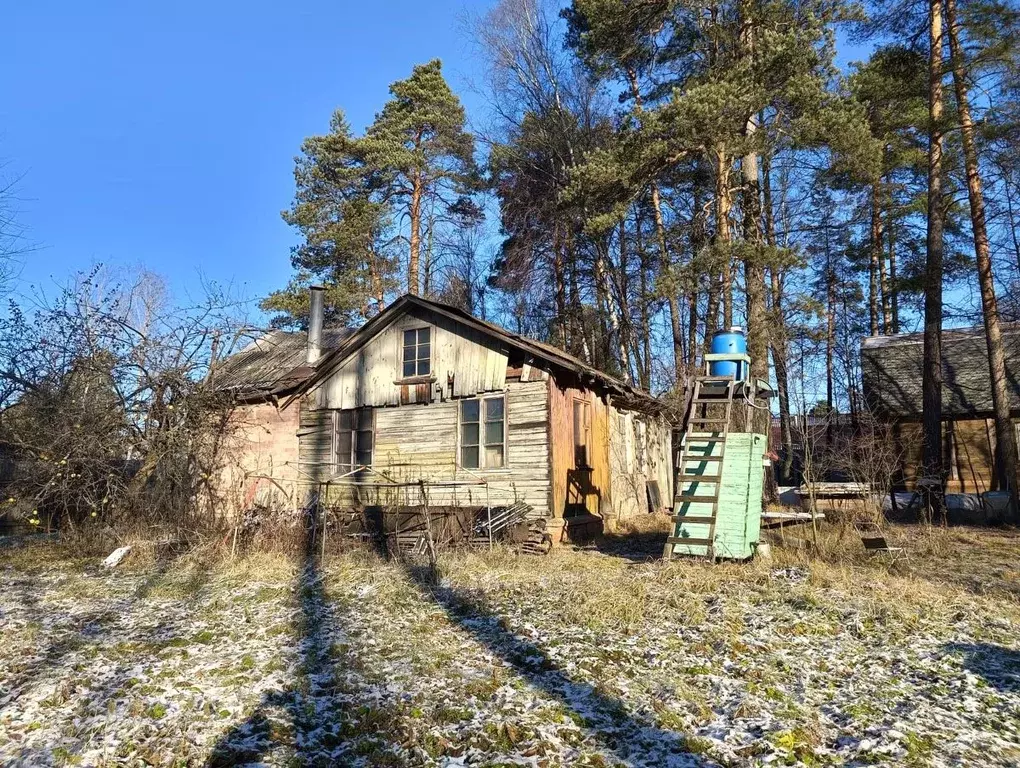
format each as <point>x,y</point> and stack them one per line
<point>575,488</point>
<point>464,363</point>
<point>970,454</point>
<point>639,451</point>
<point>259,442</point>
<point>420,441</point>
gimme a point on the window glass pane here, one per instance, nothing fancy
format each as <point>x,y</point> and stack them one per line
<point>363,458</point>
<point>343,447</point>
<point>469,434</point>
<point>494,409</point>
<point>493,432</point>
<point>580,456</point>
<point>423,335</point>
<point>494,456</point>
<point>409,338</point>
<point>409,367</point>
<point>469,457</point>
<point>365,441</point>
<point>346,420</point>
<point>424,352</point>
<point>469,410</point>
<point>578,423</point>
<point>423,367</point>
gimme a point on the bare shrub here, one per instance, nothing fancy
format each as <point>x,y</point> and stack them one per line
<point>871,457</point>
<point>107,407</point>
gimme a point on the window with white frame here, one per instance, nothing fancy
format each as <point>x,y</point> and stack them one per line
<point>353,438</point>
<point>483,433</point>
<point>417,352</point>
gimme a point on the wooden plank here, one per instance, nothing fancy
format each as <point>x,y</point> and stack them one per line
<point>689,541</point>
<point>690,499</point>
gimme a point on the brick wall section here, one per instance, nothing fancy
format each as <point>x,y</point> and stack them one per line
<point>261,441</point>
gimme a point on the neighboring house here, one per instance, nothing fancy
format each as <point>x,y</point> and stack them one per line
<point>427,392</point>
<point>892,368</point>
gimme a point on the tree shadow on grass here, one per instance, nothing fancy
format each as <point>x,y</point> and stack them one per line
<point>605,718</point>
<point>327,716</point>
<point>998,666</point>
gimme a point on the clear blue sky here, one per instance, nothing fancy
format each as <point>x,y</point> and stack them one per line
<point>163,134</point>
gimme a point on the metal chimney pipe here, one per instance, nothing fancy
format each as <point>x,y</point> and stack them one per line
<point>315,319</point>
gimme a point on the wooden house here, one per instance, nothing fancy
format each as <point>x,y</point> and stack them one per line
<point>427,399</point>
<point>892,368</point>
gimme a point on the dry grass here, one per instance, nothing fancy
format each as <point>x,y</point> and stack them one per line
<point>515,655</point>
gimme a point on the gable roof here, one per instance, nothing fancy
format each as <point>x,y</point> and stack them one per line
<point>589,376</point>
<point>272,364</point>
<point>892,367</point>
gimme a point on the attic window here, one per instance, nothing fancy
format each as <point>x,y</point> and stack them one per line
<point>417,352</point>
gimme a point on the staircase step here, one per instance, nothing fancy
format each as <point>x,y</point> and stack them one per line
<point>699,478</point>
<point>693,520</point>
<point>692,542</point>
<point>708,421</point>
<point>694,499</point>
<point>699,457</point>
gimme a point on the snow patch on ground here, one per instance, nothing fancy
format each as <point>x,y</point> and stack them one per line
<point>372,664</point>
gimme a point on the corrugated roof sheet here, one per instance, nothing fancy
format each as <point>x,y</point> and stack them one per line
<point>892,367</point>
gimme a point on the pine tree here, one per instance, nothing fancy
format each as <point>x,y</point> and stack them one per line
<point>933,460</point>
<point>421,154</point>
<point>1006,461</point>
<point>344,225</point>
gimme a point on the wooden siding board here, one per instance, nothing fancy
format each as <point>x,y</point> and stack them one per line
<point>974,453</point>
<point>639,451</point>
<point>419,441</point>
<point>369,376</point>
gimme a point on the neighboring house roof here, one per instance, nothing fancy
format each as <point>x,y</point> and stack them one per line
<point>892,367</point>
<point>274,363</point>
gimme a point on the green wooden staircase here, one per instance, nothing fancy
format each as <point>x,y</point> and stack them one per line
<point>719,475</point>
<point>700,463</point>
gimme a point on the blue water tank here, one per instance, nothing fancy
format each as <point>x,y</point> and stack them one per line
<point>731,342</point>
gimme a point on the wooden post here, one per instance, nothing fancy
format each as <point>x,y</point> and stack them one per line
<point>488,513</point>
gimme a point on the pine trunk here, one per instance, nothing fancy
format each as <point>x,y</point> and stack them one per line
<point>377,284</point>
<point>671,297</point>
<point>664,260</point>
<point>873,257</point>
<point>878,255</point>
<point>894,291</point>
<point>560,286</point>
<point>722,234</point>
<point>712,308</point>
<point>778,320</point>
<point>1006,460</point>
<point>754,277</point>
<point>933,464</point>
<point>412,262</point>
<point>646,331</point>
